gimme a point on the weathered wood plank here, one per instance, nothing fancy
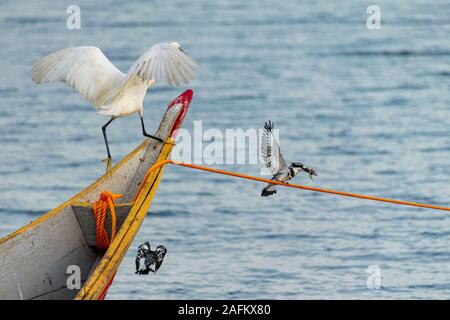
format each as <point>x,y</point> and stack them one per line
<point>37,260</point>
<point>86,220</point>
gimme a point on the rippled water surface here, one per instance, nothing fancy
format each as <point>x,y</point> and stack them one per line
<point>370,110</point>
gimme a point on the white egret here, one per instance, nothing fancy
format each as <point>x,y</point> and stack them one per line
<point>113,93</point>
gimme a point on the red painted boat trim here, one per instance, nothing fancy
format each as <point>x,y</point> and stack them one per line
<point>105,290</point>
<point>185,99</point>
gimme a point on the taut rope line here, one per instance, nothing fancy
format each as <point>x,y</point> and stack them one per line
<point>296,186</point>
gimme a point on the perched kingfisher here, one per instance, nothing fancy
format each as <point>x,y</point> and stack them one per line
<point>148,260</point>
<point>274,161</point>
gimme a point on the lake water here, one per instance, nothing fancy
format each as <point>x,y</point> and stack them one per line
<point>370,110</point>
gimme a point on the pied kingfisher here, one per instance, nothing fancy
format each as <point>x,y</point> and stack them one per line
<point>274,161</point>
<point>148,260</point>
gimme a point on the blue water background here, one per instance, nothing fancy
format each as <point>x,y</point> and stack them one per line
<point>370,110</point>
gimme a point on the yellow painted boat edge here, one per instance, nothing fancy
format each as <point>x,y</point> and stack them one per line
<point>107,268</point>
<point>72,200</point>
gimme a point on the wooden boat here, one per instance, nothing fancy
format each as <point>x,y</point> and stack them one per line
<point>36,260</point>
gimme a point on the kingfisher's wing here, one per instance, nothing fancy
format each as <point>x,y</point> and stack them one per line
<point>150,260</point>
<point>164,62</point>
<point>270,150</point>
<point>160,253</point>
<point>86,69</point>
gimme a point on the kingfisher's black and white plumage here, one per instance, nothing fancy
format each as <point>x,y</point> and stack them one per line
<point>148,260</point>
<point>274,161</point>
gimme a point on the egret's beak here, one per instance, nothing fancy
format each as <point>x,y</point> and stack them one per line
<point>181,49</point>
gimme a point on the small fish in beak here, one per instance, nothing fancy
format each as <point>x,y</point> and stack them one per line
<point>312,172</point>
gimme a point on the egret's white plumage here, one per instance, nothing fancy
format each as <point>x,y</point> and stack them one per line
<point>88,70</point>
<point>113,93</point>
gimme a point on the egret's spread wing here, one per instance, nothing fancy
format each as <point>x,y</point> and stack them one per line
<point>164,62</point>
<point>86,69</point>
<point>270,150</point>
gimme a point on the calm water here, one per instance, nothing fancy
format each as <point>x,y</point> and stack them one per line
<point>369,109</point>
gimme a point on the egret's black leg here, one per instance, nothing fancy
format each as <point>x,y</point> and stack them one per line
<point>104,136</point>
<point>145,133</point>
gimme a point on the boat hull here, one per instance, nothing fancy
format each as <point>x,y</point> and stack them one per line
<point>41,260</point>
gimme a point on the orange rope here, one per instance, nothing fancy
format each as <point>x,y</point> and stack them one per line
<point>152,168</point>
<point>99,209</point>
<point>244,176</point>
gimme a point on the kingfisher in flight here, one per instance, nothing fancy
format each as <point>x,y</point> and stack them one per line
<point>148,260</point>
<point>274,161</point>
